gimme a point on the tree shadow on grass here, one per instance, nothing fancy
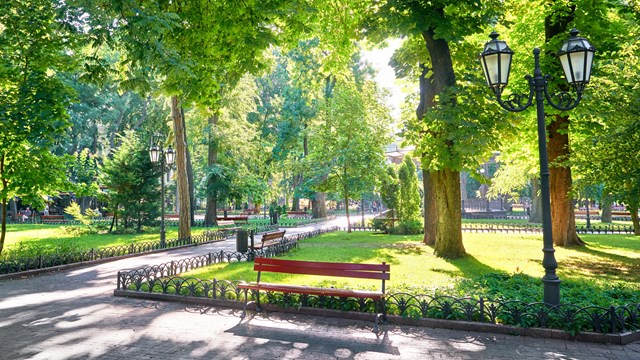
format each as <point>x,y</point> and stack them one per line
<point>468,267</point>
<point>602,264</point>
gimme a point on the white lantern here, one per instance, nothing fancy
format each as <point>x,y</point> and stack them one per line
<point>576,57</point>
<point>496,62</point>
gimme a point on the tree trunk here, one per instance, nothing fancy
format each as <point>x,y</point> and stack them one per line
<point>297,181</point>
<point>633,210</point>
<point>319,205</point>
<point>192,196</point>
<point>210,217</point>
<point>3,229</point>
<point>535,215</point>
<point>606,215</point>
<point>446,181</point>
<point>562,212</point>
<point>182,183</point>
<point>430,214</point>
<point>346,201</point>
<point>449,226</point>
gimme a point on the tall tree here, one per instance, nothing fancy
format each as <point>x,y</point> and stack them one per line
<point>347,141</point>
<point>36,43</point>
<point>445,150</point>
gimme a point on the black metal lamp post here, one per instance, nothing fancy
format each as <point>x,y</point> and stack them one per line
<point>166,159</point>
<point>576,57</point>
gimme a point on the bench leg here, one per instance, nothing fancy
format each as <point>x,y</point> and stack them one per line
<point>244,309</point>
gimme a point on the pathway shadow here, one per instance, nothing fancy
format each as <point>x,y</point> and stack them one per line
<point>319,339</point>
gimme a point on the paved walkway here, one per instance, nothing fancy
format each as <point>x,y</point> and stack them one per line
<point>73,315</point>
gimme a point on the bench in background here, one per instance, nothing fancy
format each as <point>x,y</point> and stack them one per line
<point>52,219</point>
<point>269,239</point>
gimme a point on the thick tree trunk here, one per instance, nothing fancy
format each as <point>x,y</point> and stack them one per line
<point>535,216</point>
<point>634,219</point>
<point>182,183</point>
<point>449,226</point>
<point>210,217</point>
<point>430,209</point>
<point>606,215</point>
<point>562,212</point>
<point>319,205</point>
<point>446,181</point>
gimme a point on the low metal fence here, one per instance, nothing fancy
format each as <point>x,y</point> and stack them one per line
<point>521,228</point>
<point>16,265</point>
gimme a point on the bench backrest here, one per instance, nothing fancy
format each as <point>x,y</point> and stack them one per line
<point>360,271</point>
<point>272,236</point>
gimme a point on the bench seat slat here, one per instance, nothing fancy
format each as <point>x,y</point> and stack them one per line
<point>322,271</point>
<point>308,290</point>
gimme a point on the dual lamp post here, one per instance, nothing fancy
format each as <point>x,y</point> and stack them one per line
<point>576,57</point>
<point>166,158</point>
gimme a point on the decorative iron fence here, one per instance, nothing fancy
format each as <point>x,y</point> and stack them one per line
<point>165,279</point>
<point>520,228</point>
<point>135,279</point>
<point>15,265</point>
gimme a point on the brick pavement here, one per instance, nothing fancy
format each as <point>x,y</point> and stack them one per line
<point>72,314</point>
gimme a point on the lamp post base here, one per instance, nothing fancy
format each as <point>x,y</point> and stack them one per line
<point>551,291</point>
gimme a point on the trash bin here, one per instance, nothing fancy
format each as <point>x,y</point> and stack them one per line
<point>242,237</point>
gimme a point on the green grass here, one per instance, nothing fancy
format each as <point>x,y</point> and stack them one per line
<point>497,265</point>
<point>52,236</point>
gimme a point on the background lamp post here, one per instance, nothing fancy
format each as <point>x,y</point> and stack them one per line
<point>576,57</point>
<point>166,159</point>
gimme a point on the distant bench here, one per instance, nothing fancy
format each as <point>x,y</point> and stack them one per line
<point>349,270</point>
<point>52,219</point>
<point>270,239</point>
<point>244,219</point>
<point>297,214</point>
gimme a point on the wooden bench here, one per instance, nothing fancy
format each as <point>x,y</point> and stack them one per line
<point>269,239</point>
<point>244,219</point>
<point>297,214</point>
<point>52,219</point>
<point>350,270</point>
<point>226,223</point>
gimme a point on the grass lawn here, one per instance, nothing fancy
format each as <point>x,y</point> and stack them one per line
<point>51,236</point>
<point>497,265</point>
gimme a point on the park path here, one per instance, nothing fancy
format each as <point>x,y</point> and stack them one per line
<point>73,314</point>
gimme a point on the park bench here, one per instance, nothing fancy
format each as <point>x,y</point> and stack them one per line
<point>226,223</point>
<point>297,214</point>
<point>52,219</point>
<point>269,239</point>
<point>244,219</point>
<point>349,270</point>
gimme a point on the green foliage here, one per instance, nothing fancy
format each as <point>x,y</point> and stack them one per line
<point>132,183</point>
<point>85,219</point>
<point>408,227</point>
<point>390,188</point>
<point>36,42</point>
<point>409,204</point>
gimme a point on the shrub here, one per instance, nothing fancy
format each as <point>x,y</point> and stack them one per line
<point>408,227</point>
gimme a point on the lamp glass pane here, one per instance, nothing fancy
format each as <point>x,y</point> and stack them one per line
<point>170,155</point>
<point>154,153</point>
<point>505,65</point>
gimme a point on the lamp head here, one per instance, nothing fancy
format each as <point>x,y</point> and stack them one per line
<point>496,62</point>
<point>576,57</point>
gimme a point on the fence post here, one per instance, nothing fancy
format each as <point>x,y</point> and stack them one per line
<point>613,317</point>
